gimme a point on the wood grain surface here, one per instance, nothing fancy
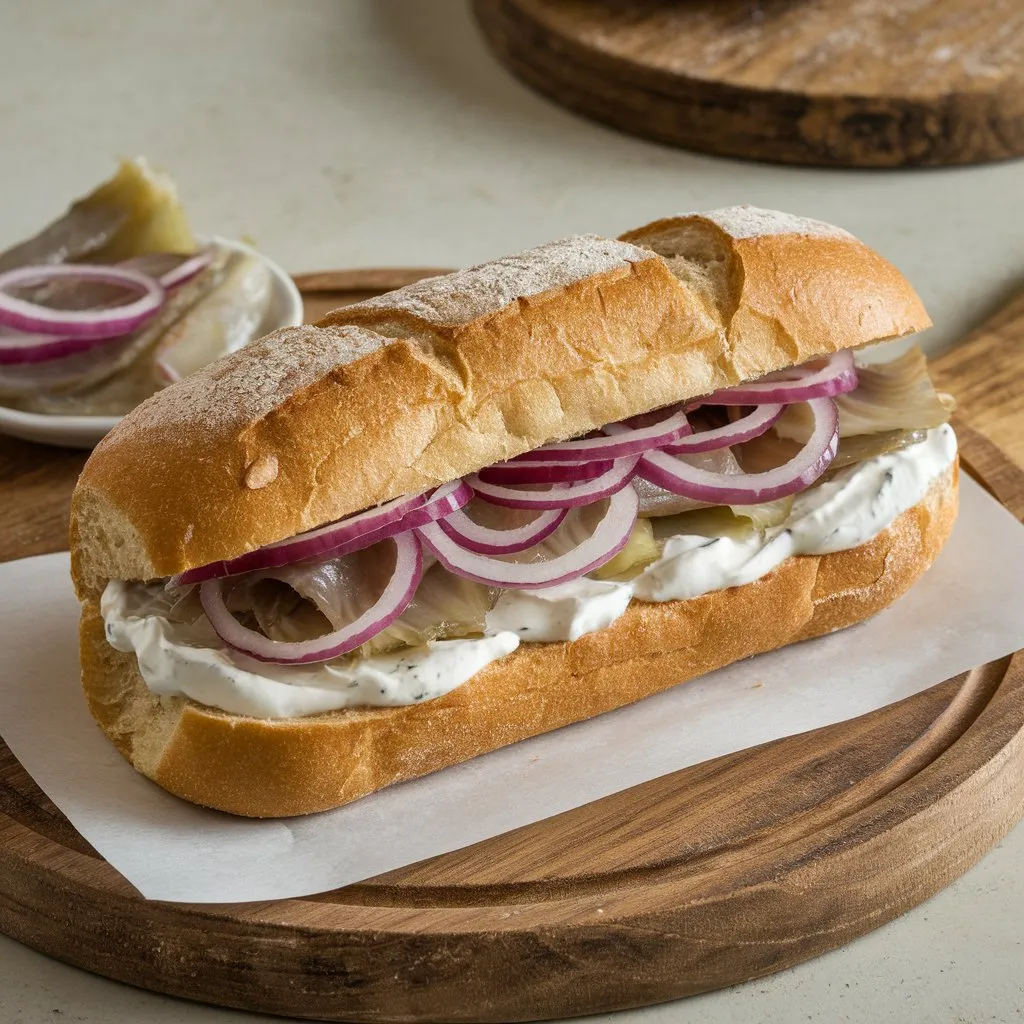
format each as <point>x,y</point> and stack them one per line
<point>868,83</point>
<point>726,871</point>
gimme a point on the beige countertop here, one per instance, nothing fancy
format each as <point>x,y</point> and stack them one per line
<point>341,133</point>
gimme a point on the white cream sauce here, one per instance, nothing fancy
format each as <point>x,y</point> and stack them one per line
<point>187,660</point>
<point>836,515</point>
<point>841,513</point>
<point>564,612</point>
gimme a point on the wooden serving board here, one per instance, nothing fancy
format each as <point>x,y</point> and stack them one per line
<point>875,83</point>
<point>723,872</point>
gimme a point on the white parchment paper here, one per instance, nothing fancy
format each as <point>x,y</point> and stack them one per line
<point>967,609</point>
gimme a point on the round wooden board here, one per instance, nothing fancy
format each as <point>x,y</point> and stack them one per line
<point>726,871</point>
<point>875,83</point>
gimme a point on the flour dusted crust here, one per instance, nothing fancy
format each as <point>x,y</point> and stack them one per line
<point>431,382</point>
<point>754,222</point>
<point>270,768</point>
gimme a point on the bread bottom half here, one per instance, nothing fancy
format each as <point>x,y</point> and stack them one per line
<point>283,767</point>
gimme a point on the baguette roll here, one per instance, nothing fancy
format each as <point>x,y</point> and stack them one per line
<point>433,382</point>
<point>439,379</point>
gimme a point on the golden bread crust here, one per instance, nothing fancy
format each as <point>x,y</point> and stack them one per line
<point>431,382</point>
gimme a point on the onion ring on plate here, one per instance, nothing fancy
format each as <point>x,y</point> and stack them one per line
<point>186,270</point>
<point>105,322</point>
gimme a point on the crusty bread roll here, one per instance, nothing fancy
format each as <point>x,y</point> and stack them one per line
<point>435,381</point>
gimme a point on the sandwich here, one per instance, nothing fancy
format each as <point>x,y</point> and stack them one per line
<point>500,501</point>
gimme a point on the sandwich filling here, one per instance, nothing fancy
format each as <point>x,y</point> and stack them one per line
<point>889,444</point>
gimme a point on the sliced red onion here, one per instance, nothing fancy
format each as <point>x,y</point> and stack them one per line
<point>186,270</point>
<point>487,540</point>
<point>18,348</point>
<point>397,595</point>
<point>746,428</point>
<point>796,384</point>
<point>608,538</point>
<point>656,501</point>
<point>676,475</point>
<point>106,322</point>
<point>529,472</point>
<point>340,538</point>
<point>635,439</point>
<point>558,495</point>
<point>441,502</point>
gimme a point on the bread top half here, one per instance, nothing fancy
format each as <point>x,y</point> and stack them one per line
<point>431,382</point>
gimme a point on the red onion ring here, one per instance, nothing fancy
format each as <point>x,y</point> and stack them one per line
<point>339,538</point>
<point>746,428</point>
<point>529,472</point>
<point>800,384</point>
<point>558,495</point>
<point>186,271</point>
<point>108,322</point>
<point>389,606</point>
<point>607,540</point>
<point>18,348</point>
<point>443,501</point>
<point>635,439</point>
<point>24,348</point>
<point>676,475</point>
<point>485,540</point>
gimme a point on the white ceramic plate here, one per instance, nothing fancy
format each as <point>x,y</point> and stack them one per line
<point>285,310</point>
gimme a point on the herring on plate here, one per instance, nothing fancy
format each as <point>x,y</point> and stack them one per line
<point>115,299</point>
<point>500,501</point>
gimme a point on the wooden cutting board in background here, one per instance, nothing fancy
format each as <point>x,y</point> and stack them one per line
<point>835,83</point>
<point>726,871</point>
